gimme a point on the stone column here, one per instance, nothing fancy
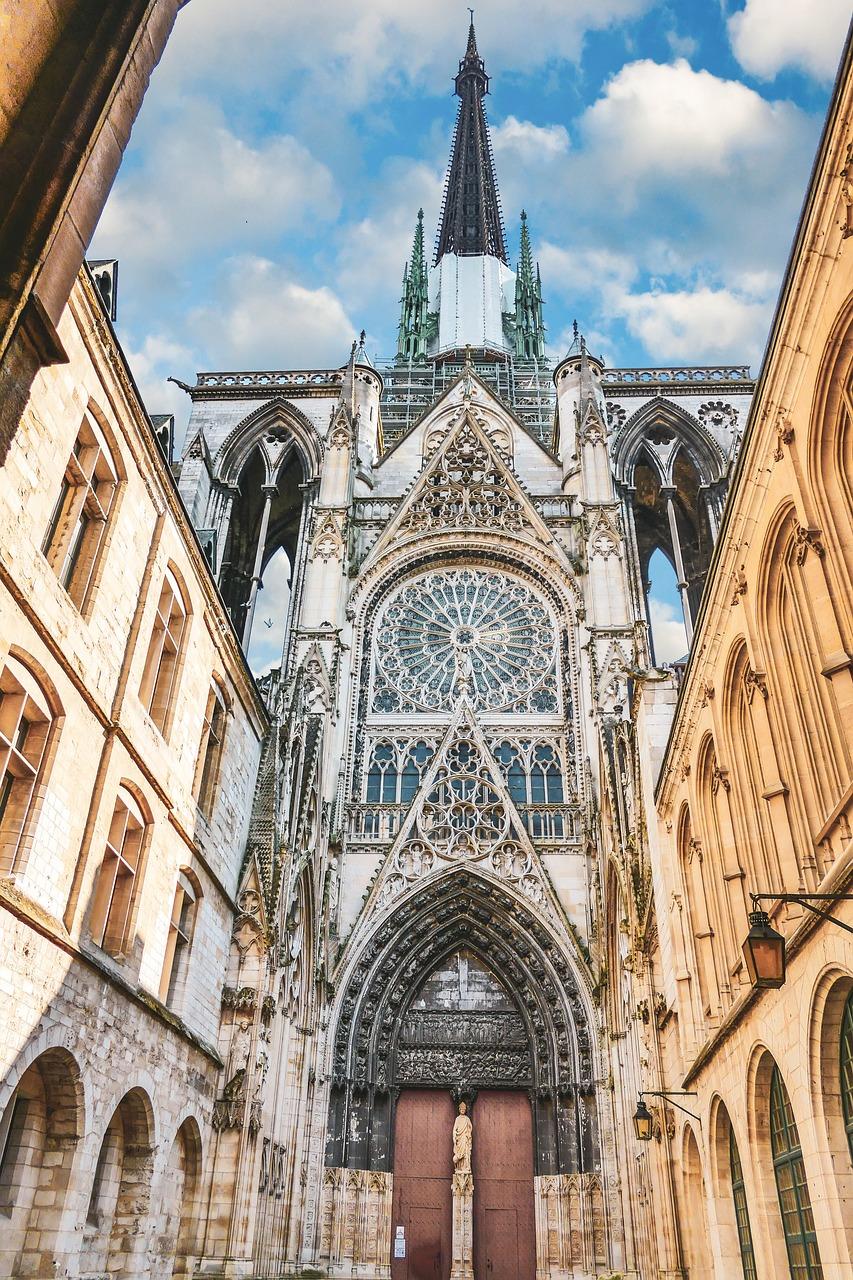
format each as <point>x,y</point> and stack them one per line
<point>462,1248</point>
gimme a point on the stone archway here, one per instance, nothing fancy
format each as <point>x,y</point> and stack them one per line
<point>534,1039</point>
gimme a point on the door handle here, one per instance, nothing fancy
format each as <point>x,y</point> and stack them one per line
<point>489,1266</point>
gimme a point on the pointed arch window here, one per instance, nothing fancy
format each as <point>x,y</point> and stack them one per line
<point>847,1070</point>
<point>744,1231</point>
<point>546,779</point>
<point>210,749</point>
<point>382,775</point>
<point>791,1186</point>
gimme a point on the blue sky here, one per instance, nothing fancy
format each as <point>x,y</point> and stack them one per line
<point>267,200</point>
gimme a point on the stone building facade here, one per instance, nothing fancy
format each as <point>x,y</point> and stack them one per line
<point>747,787</point>
<point>130,731</point>
<point>468,841</point>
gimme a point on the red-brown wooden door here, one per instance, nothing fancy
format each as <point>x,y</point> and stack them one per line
<point>423,1169</point>
<point>504,1227</point>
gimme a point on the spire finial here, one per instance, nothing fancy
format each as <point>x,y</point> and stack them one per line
<point>471,220</point>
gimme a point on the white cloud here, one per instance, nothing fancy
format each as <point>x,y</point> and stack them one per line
<point>570,272</point>
<point>666,120</point>
<point>545,141</point>
<point>355,54</point>
<point>373,250</point>
<point>699,325</point>
<point>270,616</point>
<point>769,35</point>
<point>263,318</point>
<point>200,185</point>
<point>668,633</point>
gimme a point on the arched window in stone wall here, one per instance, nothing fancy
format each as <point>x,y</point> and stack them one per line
<point>744,780</point>
<point>830,460</point>
<point>791,1186</point>
<point>702,931</point>
<point>265,518</point>
<point>830,1037</point>
<point>40,1128</point>
<point>731,1195</point>
<point>726,864</point>
<point>846,1069</point>
<point>814,738</point>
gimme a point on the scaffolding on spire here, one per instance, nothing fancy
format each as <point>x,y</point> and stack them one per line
<point>471,221</point>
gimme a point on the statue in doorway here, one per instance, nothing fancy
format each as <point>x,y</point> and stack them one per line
<point>463,1134</point>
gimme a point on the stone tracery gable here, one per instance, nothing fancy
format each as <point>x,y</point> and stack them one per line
<point>466,487</point>
<point>463,816</point>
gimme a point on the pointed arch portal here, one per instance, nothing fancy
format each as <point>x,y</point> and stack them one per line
<point>544,1046</point>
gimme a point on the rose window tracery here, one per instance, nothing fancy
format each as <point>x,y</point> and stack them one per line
<point>466,631</point>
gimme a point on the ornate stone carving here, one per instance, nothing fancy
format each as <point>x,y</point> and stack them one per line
<point>616,415</point>
<point>467,488</point>
<point>754,681</point>
<point>465,631</point>
<point>719,414</point>
<point>328,540</point>
<point>805,539</point>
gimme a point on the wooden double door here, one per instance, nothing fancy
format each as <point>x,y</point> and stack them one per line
<point>504,1228</point>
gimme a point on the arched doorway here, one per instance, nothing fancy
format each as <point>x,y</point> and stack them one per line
<point>464,1038</point>
<point>462,990</point>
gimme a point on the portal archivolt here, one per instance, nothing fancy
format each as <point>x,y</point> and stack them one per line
<point>464,917</point>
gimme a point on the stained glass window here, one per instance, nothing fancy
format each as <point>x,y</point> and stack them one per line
<point>791,1187</point>
<point>744,1231</point>
<point>453,632</point>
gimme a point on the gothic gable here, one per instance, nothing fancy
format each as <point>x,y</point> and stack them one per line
<point>463,816</point>
<point>465,487</point>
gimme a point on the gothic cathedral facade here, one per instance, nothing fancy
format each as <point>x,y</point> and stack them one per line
<point>357,969</point>
<point>469,530</point>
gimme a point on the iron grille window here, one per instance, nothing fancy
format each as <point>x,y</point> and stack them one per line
<point>744,1231</point>
<point>847,1070</point>
<point>791,1187</point>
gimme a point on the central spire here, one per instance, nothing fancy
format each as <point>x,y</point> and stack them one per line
<point>471,222</point>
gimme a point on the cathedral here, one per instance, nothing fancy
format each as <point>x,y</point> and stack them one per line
<point>470,940</point>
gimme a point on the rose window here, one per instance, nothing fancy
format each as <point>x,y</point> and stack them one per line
<point>466,631</point>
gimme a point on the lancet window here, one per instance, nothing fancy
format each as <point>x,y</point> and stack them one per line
<point>533,771</point>
<point>396,771</point>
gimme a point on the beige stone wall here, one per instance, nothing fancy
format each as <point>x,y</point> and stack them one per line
<point>756,788</point>
<point>99,1017</point>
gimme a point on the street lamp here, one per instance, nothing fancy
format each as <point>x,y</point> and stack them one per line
<point>764,952</point>
<point>642,1121</point>
<point>643,1118</point>
<point>764,948</point>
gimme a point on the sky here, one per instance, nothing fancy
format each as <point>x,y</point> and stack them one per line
<point>267,200</point>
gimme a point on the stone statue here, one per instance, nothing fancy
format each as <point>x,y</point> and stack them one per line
<point>463,1134</point>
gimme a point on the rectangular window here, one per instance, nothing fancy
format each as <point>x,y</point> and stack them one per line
<point>210,750</point>
<point>161,662</point>
<point>75,533</point>
<point>181,923</point>
<point>116,885</point>
<point>24,725</point>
